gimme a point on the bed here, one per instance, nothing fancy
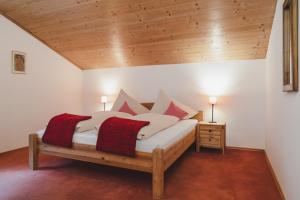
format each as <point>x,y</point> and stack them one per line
<point>153,155</point>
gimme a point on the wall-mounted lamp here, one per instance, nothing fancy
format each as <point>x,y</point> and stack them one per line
<point>104,101</point>
<point>212,101</point>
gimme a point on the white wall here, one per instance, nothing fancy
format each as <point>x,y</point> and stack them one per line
<point>51,86</point>
<point>240,86</point>
<point>283,117</point>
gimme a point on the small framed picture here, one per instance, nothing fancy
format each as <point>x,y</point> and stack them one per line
<point>18,62</point>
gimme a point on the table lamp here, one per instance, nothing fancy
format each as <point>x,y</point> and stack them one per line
<point>104,101</point>
<point>212,101</point>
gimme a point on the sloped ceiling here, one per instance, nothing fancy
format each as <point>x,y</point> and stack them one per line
<point>116,33</point>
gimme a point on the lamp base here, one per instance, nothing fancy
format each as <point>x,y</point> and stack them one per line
<point>212,122</point>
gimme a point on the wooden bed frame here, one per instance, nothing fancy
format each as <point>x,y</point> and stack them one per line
<point>156,162</point>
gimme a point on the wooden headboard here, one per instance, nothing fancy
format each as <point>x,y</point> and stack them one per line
<point>198,116</point>
<point>148,105</point>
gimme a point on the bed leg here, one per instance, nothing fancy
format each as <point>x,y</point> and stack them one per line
<point>158,174</point>
<point>33,152</point>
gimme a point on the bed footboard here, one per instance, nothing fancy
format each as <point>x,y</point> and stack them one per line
<point>33,152</point>
<point>162,159</point>
<point>158,174</point>
<point>156,162</point>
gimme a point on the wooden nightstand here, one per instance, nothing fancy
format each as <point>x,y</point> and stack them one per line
<point>211,135</point>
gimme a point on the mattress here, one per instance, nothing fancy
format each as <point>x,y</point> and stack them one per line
<point>162,139</point>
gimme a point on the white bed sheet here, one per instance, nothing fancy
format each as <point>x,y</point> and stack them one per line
<point>162,139</point>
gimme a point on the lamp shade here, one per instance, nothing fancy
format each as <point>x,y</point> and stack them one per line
<point>103,99</point>
<point>212,100</point>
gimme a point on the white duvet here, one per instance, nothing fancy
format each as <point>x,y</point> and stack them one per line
<point>162,139</point>
<point>158,122</point>
<point>99,118</point>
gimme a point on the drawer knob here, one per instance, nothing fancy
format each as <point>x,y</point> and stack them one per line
<point>209,130</point>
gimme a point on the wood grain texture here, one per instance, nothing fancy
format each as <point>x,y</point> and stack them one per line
<point>155,163</point>
<point>33,152</point>
<point>138,163</point>
<point>116,33</point>
<point>148,105</point>
<point>175,151</point>
<point>211,135</point>
<point>158,174</point>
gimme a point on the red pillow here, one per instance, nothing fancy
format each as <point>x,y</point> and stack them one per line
<point>125,108</point>
<point>175,111</point>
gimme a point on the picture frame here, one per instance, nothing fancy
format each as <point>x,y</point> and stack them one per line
<point>18,62</point>
<point>290,46</point>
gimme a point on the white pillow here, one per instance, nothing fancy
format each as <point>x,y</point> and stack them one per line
<point>97,119</point>
<point>163,101</point>
<point>132,103</point>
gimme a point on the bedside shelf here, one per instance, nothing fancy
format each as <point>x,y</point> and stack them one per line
<point>211,135</point>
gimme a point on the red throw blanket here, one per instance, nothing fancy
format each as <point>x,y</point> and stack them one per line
<point>118,135</point>
<point>61,128</point>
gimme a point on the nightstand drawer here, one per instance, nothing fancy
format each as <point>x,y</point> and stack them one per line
<point>210,140</point>
<point>211,127</point>
<point>210,132</point>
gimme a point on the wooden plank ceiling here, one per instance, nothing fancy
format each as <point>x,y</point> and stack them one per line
<point>116,33</point>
